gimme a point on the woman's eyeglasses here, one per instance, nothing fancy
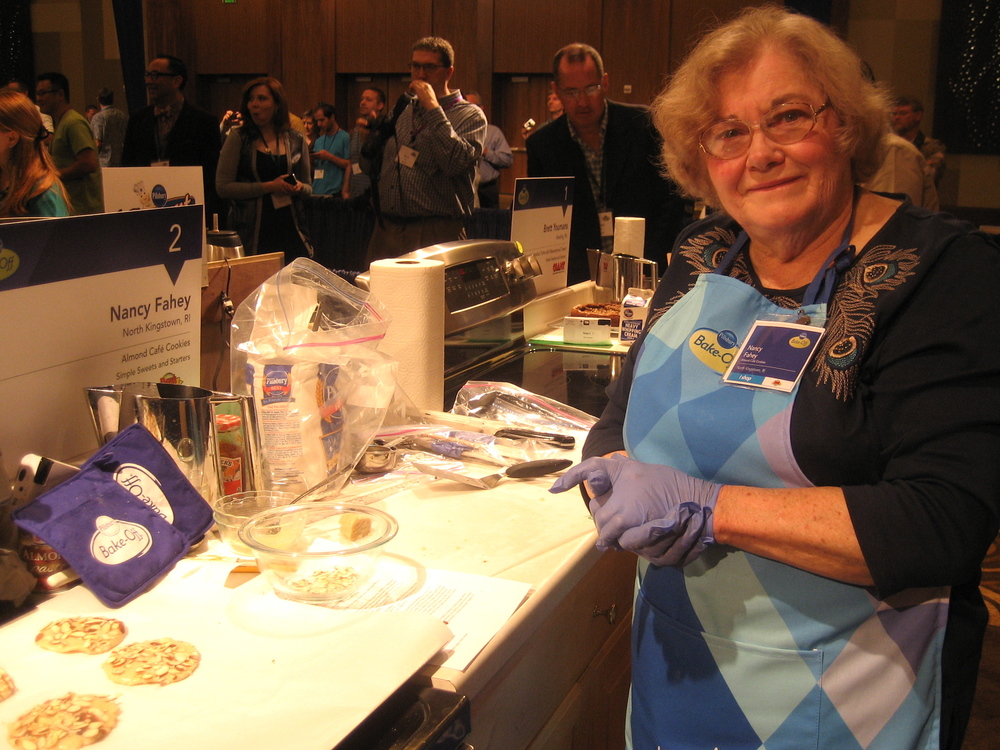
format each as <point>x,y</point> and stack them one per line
<point>787,123</point>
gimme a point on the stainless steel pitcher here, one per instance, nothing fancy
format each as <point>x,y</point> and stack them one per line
<point>182,418</point>
<point>620,272</point>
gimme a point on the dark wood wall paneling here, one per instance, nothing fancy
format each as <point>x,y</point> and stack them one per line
<point>308,61</point>
<point>241,37</point>
<point>375,36</point>
<point>636,48</point>
<point>332,49</point>
<point>527,33</point>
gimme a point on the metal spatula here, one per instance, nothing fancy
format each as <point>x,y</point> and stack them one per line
<point>517,471</point>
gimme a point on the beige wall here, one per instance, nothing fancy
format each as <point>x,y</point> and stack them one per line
<point>899,39</point>
<point>77,38</point>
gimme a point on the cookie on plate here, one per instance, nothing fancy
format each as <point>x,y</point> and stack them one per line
<point>70,721</point>
<point>83,635</point>
<point>156,662</point>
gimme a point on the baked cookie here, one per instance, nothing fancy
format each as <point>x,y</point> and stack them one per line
<point>71,721</point>
<point>157,662</point>
<point>7,688</point>
<point>84,635</point>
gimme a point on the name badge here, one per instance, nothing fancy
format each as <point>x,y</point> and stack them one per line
<point>607,223</point>
<point>355,168</point>
<point>280,200</point>
<point>317,174</point>
<point>774,355</point>
<point>407,156</point>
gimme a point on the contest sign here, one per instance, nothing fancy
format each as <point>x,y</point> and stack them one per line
<point>90,301</point>
<point>540,221</point>
<point>135,188</point>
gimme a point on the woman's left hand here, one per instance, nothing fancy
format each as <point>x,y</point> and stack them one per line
<point>655,511</point>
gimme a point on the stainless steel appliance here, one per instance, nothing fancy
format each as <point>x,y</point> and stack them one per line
<point>483,280</point>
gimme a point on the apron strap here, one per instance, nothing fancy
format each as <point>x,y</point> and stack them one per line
<point>821,288</point>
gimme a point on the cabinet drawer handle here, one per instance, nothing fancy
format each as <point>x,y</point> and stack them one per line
<point>611,613</point>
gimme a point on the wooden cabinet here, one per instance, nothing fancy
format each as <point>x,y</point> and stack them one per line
<point>567,686</point>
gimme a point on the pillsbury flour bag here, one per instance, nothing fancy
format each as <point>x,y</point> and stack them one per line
<point>304,348</point>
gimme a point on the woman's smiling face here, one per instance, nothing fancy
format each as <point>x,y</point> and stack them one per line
<point>798,188</point>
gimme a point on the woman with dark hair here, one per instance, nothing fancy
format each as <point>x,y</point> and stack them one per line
<point>264,172</point>
<point>29,181</point>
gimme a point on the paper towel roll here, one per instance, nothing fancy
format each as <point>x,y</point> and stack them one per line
<point>413,293</point>
<point>630,235</point>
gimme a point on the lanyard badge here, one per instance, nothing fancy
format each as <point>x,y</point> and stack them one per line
<point>774,355</point>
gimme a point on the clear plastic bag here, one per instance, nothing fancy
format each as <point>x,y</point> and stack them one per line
<point>304,346</point>
<point>514,406</point>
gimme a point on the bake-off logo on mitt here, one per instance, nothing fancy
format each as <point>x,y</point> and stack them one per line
<point>144,486</point>
<point>714,348</point>
<point>116,542</point>
<point>9,262</point>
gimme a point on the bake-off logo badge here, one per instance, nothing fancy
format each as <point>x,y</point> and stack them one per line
<point>9,262</point>
<point>145,487</point>
<point>116,542</point>
<point>714,348</point>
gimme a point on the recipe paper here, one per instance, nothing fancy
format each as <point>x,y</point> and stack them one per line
<point>473,607</point>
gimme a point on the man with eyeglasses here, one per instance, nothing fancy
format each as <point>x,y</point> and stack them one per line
<point>21,85</point>
<point>425,183</point>
<point>73,148</point>
<point>172,132</point>
<point>613,152</point>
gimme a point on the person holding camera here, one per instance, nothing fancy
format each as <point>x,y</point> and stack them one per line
<point>429,150</point>
<point>264,172</point>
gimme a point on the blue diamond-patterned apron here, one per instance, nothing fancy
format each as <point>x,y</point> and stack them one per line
<point>736,651</point>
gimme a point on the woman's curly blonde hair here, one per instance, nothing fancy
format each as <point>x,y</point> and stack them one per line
<point>690,102</point>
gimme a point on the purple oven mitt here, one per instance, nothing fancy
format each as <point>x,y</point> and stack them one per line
<point>115,542</point>
<point>138,462</point>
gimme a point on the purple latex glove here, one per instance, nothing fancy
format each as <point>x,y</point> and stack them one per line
<point>654,511</point>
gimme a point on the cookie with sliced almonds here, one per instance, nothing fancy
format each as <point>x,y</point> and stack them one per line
<point>156,662</point>
<point>7,688</point>
<point>71,721</point>
<point>83,635</point>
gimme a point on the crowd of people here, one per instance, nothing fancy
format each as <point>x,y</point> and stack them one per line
<point>420,167</point>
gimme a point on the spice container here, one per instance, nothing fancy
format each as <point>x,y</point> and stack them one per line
<point>231,452</point>
<point>48,567</point>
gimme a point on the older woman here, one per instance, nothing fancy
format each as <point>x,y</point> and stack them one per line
<point>264,170</point>
<point>803,447</point>
<point>29,181</point>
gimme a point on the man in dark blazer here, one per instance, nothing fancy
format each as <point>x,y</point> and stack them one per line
<point>613,151</point>
<point>171,131</point>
